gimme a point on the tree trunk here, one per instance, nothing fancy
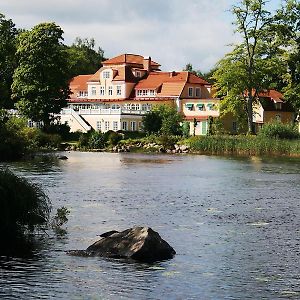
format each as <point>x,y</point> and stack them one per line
<point>250,115</point>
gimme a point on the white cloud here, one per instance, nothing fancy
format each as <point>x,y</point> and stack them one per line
<point>172,32</point>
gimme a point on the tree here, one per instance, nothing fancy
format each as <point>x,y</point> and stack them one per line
<point>287,31</point>
<point>249,68</point>
<point>40,82</point>
<point>83,58</point>
<point>8,34</point>
<point>163,119</point>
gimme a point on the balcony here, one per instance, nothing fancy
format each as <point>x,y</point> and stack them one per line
<point>103,111</point>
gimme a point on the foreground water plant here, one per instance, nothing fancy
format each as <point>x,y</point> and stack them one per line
<point>24,205</point>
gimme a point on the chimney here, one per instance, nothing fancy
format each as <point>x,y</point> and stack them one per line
<point>147,63</point>
<point>172,74</point>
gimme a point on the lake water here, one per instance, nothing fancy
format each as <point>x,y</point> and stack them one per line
<point>234,224</point>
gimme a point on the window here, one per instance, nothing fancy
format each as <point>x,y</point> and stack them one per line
<point>30,123</point>
<point>127,106</point>
<point>106,74</point>
<point>119,90</point>
<point>99,125</point>
<point>102,91</point>
<point>278,106</point>
<point>200,106</point>
<point>93,90</point>
<point>133,126</point>
<point>115,125</point>
<point>140,126</point>
<point>124,125</point>
<point>198,92</point>
<point>191,92</point>
<point>81,93</point>
<point>107,106</point>
<point>211,106</point>
<point>133,106</point>
<point>144,92</point>
<point>138,74</point>
<point>110,91</point>
<point>85,93</point>
<point>189,106</point>
<point>144,107</point>
<point>115,106</point>
<point>106,125</point>
<point>152,92</point>
<point>139,92</point>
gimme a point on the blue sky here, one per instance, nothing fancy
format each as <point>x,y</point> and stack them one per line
<point>172,32</point>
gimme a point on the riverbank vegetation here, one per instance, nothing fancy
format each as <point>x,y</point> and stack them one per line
<point>25,210</point>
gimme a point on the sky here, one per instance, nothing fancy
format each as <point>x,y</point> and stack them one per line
<point>172,32</point>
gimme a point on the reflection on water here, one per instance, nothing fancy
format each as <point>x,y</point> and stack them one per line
<point>234,224</point>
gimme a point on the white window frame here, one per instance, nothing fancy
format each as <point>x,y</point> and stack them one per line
<point>102,90</point>
<point>124,125</point>
<point>110,90</point>
<point>106,124</point>
<point>98,125</point>
<point>115,125</point>
<point>106,74</point>
<point>133,125</point>
<point>93,90</point>
<point>119,90</point>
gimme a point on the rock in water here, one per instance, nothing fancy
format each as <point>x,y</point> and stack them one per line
<point>139,243</point>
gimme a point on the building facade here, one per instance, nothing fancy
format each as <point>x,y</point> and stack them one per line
<point>128,86</point>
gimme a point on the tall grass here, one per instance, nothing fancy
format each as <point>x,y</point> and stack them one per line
<point>244,145</point>
<point>23,206</point>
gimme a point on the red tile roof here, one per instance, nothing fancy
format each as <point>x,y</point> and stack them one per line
<point>273,95</point>
<point>156,79</point>
<point>79,83</point>
<point>130,59</point>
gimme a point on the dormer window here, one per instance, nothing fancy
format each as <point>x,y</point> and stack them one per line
<point>106,74</point>
<point>278,105</point>
<point>191,92</point>
<point>198,92</point>
<point>138,73</point>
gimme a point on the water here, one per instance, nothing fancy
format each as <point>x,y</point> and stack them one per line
<point>233,222</point>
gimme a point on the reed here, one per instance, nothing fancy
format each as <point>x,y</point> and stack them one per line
<point>244,145</point>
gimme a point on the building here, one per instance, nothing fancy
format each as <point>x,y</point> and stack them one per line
<point>128,86</point>
<point>271,107</point>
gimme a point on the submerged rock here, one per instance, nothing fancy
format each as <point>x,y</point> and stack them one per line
<point>139,243</point>
<point>62,157</point>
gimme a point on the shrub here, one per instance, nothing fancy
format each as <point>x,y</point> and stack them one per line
<point>279,130</point>
<point>24,206</point>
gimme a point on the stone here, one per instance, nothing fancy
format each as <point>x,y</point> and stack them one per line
<point>138,243</point>
<point>62,157</point>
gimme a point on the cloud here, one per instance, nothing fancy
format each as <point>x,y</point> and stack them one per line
<point>172,32</point>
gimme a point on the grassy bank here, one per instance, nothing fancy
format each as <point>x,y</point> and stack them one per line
<point>244,145</point>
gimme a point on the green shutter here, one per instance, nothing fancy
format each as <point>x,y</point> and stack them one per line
<point>200,105</point>
<point>189,105</point>
<point>204,127</point>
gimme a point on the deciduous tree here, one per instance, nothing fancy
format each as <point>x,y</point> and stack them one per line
<point>40,82</point>
<point>83,58</point>
<point>8,33</point>
<point>249,68</point>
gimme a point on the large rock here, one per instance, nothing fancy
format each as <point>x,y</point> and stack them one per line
<point>139,243</point>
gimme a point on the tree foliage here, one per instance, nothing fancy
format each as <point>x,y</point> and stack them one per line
<point>287,32</point>
<point>40,82</point>
<point>83,58</point>
<point>164,120</point>
<point>8,34</point>
<point>251,66</point>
